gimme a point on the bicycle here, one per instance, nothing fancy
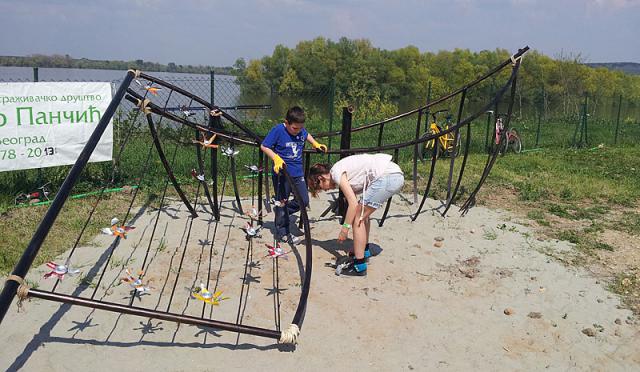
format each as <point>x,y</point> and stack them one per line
<point>505,140</point>
<point>34,197</point>
<point>445,143</point>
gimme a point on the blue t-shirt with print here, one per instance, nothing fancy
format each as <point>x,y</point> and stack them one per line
<point>288,146</point>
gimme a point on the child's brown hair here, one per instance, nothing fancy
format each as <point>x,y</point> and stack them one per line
<point>313,180</point>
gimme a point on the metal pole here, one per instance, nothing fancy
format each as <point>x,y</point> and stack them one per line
<point>586,121</point>
<point>415,158</point>
<point>35,75</point>
<point>345,143</point>
<point>332,96</point>
<point>23,265</point>
<point>615,140</point>
<point>538,129</point>
<point>426,114</point>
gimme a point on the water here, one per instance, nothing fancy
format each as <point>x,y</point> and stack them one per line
<point>227,91</point>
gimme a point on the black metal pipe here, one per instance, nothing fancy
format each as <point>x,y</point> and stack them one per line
<point>154,314</point>
<point>415,157</point>
<point>386,209</point>
<point>167,167</point>
<point>306,281</point>
<point>230,118</point>
<point>345,144</point>
<point>234,180</point>
<point>23,265</point>
<point>434,158</point>
<point>260,166</point>
<point>464,163</point>
<point>214,122</point>
<point>454,151</point>
<point>492,158</point>
<point>230,137</point>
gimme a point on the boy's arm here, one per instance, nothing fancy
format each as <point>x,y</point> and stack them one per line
<point>346,189</point>
<point>278,163</point>
<point>316,145</point>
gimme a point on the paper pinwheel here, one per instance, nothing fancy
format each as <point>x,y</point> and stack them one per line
<point>230,151</point>
<point>199,177</point>
<point>276,251</point>
<point>201,293</point>
<point>207,142</point>
<point>60,271</point>
<point>253,168</point>
<point>251,231</point>
<point>116,230</point>
<point>149,88</point>
<point>136,282</point>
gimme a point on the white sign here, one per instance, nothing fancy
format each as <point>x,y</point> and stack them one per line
<point>47,124</point>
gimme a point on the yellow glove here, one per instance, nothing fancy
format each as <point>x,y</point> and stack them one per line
<point>278,163</point>
<point>320,147</point>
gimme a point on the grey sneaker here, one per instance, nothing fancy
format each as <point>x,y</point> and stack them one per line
<point>291,239</point>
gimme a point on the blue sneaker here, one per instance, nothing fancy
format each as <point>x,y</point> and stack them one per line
<point>367,253</point>
<point>354,268</point>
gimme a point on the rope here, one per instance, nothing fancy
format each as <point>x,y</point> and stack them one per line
<point>23,289</point>
<point>143,105</point>
<point>136,73</point>
<point>515,60</point>
<point>290,335</point>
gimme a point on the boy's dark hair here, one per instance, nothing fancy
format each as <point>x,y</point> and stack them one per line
<point>295,115</point>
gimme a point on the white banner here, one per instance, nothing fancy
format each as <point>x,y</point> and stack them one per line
<point>47,124</point>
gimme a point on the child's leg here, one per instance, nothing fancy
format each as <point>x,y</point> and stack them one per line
<point>301,186</point>
<point>359,234</point>
<point>281,214</point>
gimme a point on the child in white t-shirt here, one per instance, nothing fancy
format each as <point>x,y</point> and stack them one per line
<point>374,176</point>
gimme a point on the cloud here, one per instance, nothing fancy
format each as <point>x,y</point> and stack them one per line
<point>615,4</point>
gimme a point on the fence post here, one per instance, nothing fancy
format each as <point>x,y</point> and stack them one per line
<point>345,143</point>
<point>486,133</point>
<point>584,127</point>
<point>538,129</point>
<point>615,140</point>
<point>332,95</point>
<point>426,121</point>
<point>35,75</point>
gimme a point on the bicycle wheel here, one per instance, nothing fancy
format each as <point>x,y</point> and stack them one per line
<point>503,146</point>
<point>515,142</point>
<point>425,149</point>
<point>21,199</point>
<point>458,145</point>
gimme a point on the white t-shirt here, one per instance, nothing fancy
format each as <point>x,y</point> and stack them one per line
<point>363,169</point>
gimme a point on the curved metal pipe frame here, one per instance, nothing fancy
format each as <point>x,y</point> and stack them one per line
<point>471,200</point>
<point>386,208</point>
<point>202,171</point>
<point>167,167</point>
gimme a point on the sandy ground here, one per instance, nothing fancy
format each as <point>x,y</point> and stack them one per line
<point>421,307</point>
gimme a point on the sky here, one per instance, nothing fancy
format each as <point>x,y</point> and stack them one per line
<point>216,32</point>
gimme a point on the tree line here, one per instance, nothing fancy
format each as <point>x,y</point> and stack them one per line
<point>357,68</point>
<point>66,61</point>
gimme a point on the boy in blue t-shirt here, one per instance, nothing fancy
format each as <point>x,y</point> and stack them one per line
<point>284,145</point>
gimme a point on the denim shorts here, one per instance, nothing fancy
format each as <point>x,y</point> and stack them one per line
<point>382,189</point>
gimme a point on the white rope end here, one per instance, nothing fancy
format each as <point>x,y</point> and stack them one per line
<point>514,60</point>
<point>290,335</point>
<point>136,73</point>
